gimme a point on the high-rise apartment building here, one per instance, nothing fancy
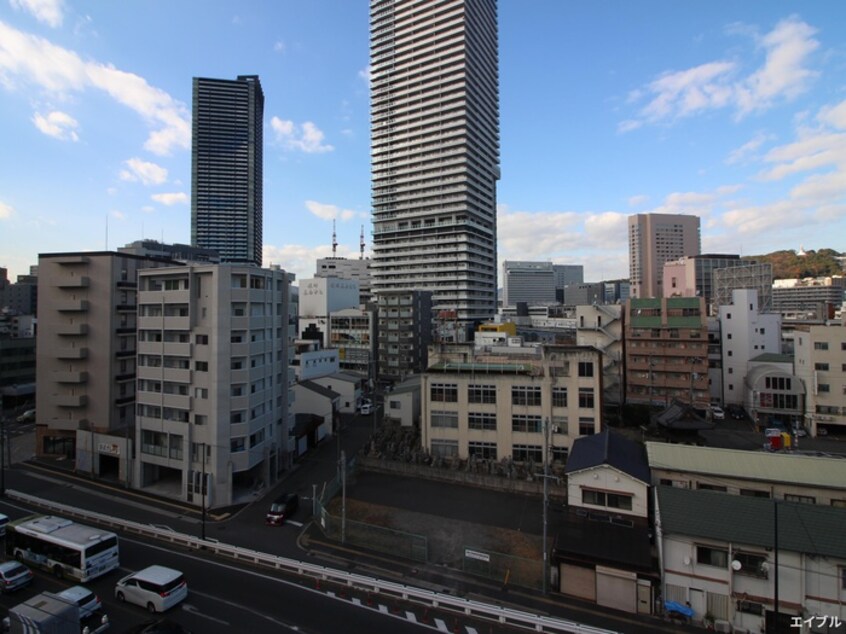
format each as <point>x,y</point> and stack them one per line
<point>435,151</point>
<point>226,168</point>
<point>653,240</point>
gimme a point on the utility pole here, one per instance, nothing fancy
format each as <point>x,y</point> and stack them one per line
<point>343,497</point>
<point>546,477</point>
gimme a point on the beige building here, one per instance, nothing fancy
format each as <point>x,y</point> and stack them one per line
<point>667,351</point>
<point>784,476</point>
<point>492,402</point>
<point>214,381</point>
<point>601,326</point>
<point>86,354</point>
<point>820,360</point>
<point>653,240</point>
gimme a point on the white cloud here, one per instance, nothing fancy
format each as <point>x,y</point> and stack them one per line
<point>119,215</point>
<point>148,209</point>
<point>300,259</point>
<point>279,46</point>
<point>28,59</point>
<point>307,137</point>
<point>714,85</point>
<point>330,212</point>
<point>636,201</point>
<point>175,198</point>
<point>144,171</point>
<point>746,152</point>
<point>6,211</point>
<point>50,12</point>
<point>366,74</point>
<point>58,125</point>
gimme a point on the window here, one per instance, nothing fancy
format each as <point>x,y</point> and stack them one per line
<point>823,387</point>
<point>805,499</point>
<point>559,454</point>
<point>444,392</point>
<point>821,366</point>
<point>710,487</point>
<point>527,453</point>
<point>751,565</point>
<point>202,340</point>
<point>820,345</point>
<point>486,450</point>
<point>585,368</point>
<point>559,397</point>
<point>200,419</point>
<point>481,393</point>
<point>481,420</point>
<point>237,417</point>
<point>586,427</point>
<point>238,444</point>
<point>444,419</point>
<point>236,363</point>
<point>238,389</point>
<point>526,422</point>
<point>201,392</point>
<point>444,448</point>
<point>586,399</point>
<point>750,607</point>
<point>201,366</point>
<point>755,493</point>
<point>237,336</point>
<point>619,501</point>
<point>525,395</point>
<point>717,557</point>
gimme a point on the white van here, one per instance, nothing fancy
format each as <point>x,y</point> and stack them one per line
<point>156,588</point>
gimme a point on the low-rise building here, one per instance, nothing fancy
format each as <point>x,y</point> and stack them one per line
<point>820,361</point>
<point>402,403</point>
<point>493,402</point>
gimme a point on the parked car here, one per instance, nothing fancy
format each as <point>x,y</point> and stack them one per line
<point>366,409</point>
<point>83,598</point>
<point>14,575</point>
<point>282,509</point>
<point>800,432</point>
<point>27,417</point>
<point>736,412</point>
<point>156,588</point>
<point>717,413</point>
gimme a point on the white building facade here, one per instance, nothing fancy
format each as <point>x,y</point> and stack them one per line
<point>214,381</point>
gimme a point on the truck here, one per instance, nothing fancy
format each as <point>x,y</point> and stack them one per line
<point>48,613</point>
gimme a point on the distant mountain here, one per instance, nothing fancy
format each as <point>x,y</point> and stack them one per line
<point>788,264</point>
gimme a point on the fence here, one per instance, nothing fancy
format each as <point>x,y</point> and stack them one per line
<point>507,569</point>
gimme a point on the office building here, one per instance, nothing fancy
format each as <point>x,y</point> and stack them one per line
<point>490,401</point>
<point>529,282</point>
<point>184,253</point>
<point>815,298</point>
<point>653,240</point>
<point>226,168</point>
<point>20,297</point>
<point>320,297</point>
<point>566,274</point>
<point>348,269</point>
<point>435,151</point>
<point>693,276</point>
<point>214,377</point>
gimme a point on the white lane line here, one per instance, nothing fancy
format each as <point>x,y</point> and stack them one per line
<point>190,608</point>
<point>267,617</point>
<point>295,523</point>
<point>411,616</point>
<point>441,625</point>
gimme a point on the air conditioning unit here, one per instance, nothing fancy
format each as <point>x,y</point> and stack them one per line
<point>722,626</point>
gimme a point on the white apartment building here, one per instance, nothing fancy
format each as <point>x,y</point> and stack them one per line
<point>214,381</point>
<point>601,327</point>
<point>491,402</point>
<point>435,151</point>
<point>820,361</point>
<point>745,333</point>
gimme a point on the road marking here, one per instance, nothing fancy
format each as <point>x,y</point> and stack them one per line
<point>190,608</point>
<point>331,594</point>
<point>441,625</point>
<point>356,601</point>
<point>411,616</point>
<point>383,609</point>
<point>267,617</point>
<point>470,630</point>
<point>293,523</point>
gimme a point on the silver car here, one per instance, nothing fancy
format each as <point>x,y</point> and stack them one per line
<point>83,598</point>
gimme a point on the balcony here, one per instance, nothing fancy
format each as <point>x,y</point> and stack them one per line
<point>70,400</point>
<point>124,400</point>
<point>67,424</point>
<point>125,354</point>
<point>72,306</point>
<point>71,353</point>
<point>126,307</point>
<point>127,376</point>
<point>71,330</point>
<point>70,377</point>
<point>81,281</point>
<point>177,401</point>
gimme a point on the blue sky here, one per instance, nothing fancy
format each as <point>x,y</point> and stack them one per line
<point>735,111</point>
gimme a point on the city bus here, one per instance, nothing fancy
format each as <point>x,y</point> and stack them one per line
<point>63,547</point>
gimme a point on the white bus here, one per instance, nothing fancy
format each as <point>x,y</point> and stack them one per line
<point>63,547</point>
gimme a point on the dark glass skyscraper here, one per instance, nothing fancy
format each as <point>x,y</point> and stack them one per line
<point>226,167</point>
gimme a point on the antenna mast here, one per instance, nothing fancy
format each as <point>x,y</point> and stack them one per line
<point>361,244</point>
<point>334,240</point>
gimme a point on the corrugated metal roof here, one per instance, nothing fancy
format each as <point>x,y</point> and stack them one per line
<point>750,465</point>
<point>805,528</point>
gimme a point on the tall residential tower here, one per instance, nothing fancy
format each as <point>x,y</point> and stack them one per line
<point>435,151</point>
<point>226,168</point>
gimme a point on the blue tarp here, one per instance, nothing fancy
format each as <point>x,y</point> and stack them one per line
<point>675,606</point>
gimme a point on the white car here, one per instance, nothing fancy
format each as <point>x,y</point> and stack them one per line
<point>156,588</point>
<point>717,413</point>
<point>366,409</point>
<point>83,598</point>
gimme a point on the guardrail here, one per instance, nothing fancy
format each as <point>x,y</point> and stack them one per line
<point>361,582</point>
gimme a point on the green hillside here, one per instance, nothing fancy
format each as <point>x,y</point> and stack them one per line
<point>787,264</point>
